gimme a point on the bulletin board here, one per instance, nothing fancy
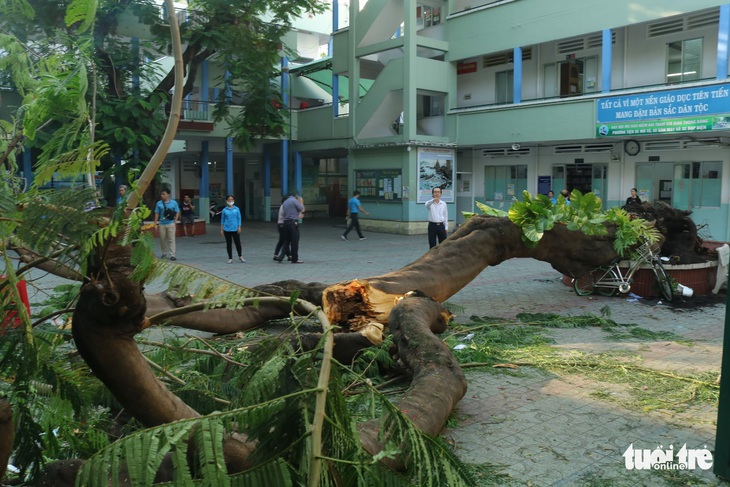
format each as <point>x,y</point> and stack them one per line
<point>379,184</point>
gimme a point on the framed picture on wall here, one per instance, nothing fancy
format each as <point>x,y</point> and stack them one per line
<point>436,169</point>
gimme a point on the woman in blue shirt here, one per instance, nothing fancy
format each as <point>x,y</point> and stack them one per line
<point>231,228</point>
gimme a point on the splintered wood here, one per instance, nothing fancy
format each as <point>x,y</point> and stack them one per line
<point>355,304</point>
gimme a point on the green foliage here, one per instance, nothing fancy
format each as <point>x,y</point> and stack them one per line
<point>513,346</point>
<point>272,398</point>
<point>630,232</point>
<point>534,216</point>
<point>537,215</point>
<point>83,12</point>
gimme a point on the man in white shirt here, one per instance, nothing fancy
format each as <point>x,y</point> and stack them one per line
<point>438,218</point>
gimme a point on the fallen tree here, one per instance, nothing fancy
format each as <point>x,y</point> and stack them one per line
<point>682,242</point>
<point>112,309</point>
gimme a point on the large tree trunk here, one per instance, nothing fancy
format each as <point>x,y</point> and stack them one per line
<point>112,308</point>
<point>438,381</point>
<point>110,311</point>
<point>447,268</point>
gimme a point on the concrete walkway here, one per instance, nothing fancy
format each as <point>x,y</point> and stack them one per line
<point>540,428</point>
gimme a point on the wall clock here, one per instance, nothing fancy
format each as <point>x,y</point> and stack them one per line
<point>632,147</point>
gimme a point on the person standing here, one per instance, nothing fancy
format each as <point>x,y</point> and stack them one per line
<point>355,209</point>
<point>565,194</point>
<point>280,227</point>
<point>438,218</point>
<point>231,228</point>
<point>292,210</point>
<point>188,219</point>
<point>122,193</point>
<point>552,197</point>
<point>167,213</point>
<point>634,198</point>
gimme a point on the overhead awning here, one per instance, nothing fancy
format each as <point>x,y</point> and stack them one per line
<point>319,73</point>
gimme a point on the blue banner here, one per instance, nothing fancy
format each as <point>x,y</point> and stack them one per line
<point>686,110</point>
<point>690,102</point>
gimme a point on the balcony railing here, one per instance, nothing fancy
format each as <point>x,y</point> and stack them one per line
<point>198,111</point>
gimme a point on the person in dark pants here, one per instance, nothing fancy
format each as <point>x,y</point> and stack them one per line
<point>292,210</point>
<point>231,228</point>
<point>355,209</point>
<point>438,218</point>
<point>280,227</point>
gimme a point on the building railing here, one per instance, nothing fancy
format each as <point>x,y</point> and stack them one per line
<point>584,96</point>
<point>196,111</point>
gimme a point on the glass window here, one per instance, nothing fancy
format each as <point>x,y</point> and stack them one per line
<point>504,183</point>
<point>697,185</point>
<point>504,86</point>
<point>684,60</point>
<point>430,105</point>
<point>599,184</point>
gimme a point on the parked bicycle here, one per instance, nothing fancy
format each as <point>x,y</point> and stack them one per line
<point>609,280</point>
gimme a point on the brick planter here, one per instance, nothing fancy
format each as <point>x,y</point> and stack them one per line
<point>199,227</point>
<point>700,277</point>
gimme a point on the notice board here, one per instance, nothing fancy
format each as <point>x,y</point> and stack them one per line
<point>379,184</point>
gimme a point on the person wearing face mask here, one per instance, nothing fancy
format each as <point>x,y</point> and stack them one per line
<point>231,228</point>
<point>188,219</point>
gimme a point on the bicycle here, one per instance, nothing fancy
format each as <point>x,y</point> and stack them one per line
<point>608,280</point>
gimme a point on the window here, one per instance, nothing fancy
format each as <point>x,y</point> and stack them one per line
<point>504,86</point>
<point>504,183</point>
<point>430,105</point>
<point>697,185</point>
<point>572,77</point>
<point>684,60</point>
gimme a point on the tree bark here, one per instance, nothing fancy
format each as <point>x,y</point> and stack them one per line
<point>445,269</point>
<point>438,381</point>
<point>110,311</point>
<point>7,434</point>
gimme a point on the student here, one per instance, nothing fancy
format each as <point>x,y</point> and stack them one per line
<point>355,209</point>
<point>438,218</point>
<point>188,219</point>
<point>552,197</point>
<point>231,228</point>
<point>167,213</point>
<point>634,198</point>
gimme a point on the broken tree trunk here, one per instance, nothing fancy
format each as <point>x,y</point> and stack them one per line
<point>438,381</point>
<point>445,269</point>
<point>112,307</point>
<point>110,311</point>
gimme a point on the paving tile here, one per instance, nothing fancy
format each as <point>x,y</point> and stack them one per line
<point>546,430</point>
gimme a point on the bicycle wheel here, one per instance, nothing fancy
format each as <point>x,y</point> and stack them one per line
<point>606,290</point>
<point>665,286</point>
<point>584,286</point>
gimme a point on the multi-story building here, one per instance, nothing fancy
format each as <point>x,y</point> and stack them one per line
<point>529,95</point>
<point>484,99</point>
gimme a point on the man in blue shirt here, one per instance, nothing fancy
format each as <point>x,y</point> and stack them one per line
<point>292,209</point>
<point>566,194</point>
<point>167,213</point>
<point>355,209</point>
